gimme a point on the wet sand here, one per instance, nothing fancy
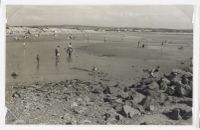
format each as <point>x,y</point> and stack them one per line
<point>118,57</point>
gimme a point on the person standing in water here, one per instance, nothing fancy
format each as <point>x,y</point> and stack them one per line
<point>57,51</point>
<point>138,45</point>
<point>38,62</point>
<point>69,49</point>
<point>162,44</point>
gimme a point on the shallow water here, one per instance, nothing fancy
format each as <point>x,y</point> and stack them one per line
<point>117,56</point>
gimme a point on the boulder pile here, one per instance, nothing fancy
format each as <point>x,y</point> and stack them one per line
<point>81,102</point>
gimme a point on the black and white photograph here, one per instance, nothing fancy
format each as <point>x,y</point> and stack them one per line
<point>99,64</point>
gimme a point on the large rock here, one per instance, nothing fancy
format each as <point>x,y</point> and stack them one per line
<point>163,86</point>
<point>182,72</point>
<point>136,97</point>
<point>129,112</point>
<point>146,81</point>
<point>153,86</point>
<point>148,104</point>
<point>171,90</point>
<point>178,114</point>
<point>163,83</point>
<point>184,90</point>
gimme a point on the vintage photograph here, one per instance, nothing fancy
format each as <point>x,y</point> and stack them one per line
<point>99,65</point>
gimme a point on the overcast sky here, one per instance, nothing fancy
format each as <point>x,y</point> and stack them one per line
<point>176,17</point>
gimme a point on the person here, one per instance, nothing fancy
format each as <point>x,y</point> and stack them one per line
<point>38,62</point>
<point>57,51</point>
<point>162,44</point>
<point>69,37</point>
<point>143,45</point>
<point>38,59</point>
<point>69,49</point>
<point>138,44</point>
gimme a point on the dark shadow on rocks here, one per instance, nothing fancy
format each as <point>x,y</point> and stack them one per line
<point>189,103</point>
<point>178,114</point>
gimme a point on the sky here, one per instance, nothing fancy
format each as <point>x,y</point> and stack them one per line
<point>149,16</point>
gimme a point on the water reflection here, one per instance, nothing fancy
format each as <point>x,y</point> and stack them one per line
<point>69,58</point>
<point>57,59</point>
<point>69,55</point>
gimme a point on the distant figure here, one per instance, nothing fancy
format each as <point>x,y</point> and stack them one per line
<point>70,37</point>
<point>24,45</point>
<point>57,51</point>
<point>94,71</point>
<point>143,45</point>
<point>191,64</point>
<point>38,59</point>
<point>153,71</point>
<point>162,44</point>
<point>180,48</point>
<point>69,49</point>
<point>138,45</point>
<point>14,75</point>
<point>38,62</point>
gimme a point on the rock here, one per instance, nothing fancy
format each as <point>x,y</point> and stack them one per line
<point>148,104</point>
<point>165,80</point>
<point>10,117</point>
<point>162,97</point>
<point>135,105</point>
<point>117,106</point>
<point>16,95</point>
<point>136,97</point>
<point>86,121</point>
<point>163,86</point>
<point>184,90</point>
<point>146,81</point>
<point>69,119</point>
<point>151,108</point>
<point>152,93</point>
<point>107,90</point>
<point>185,80</point>
<point>74,104</point>
<point>106,116</point>
<point>19,121</point>
<point>129,112</point>
<point>118,117</point>
<point>182,72</point>
<point>153,86</point>
<point>79,109</point>
<point>144,123</point>
<point>171,90</point>
<point>96,91</point>
<point>175,114</point>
